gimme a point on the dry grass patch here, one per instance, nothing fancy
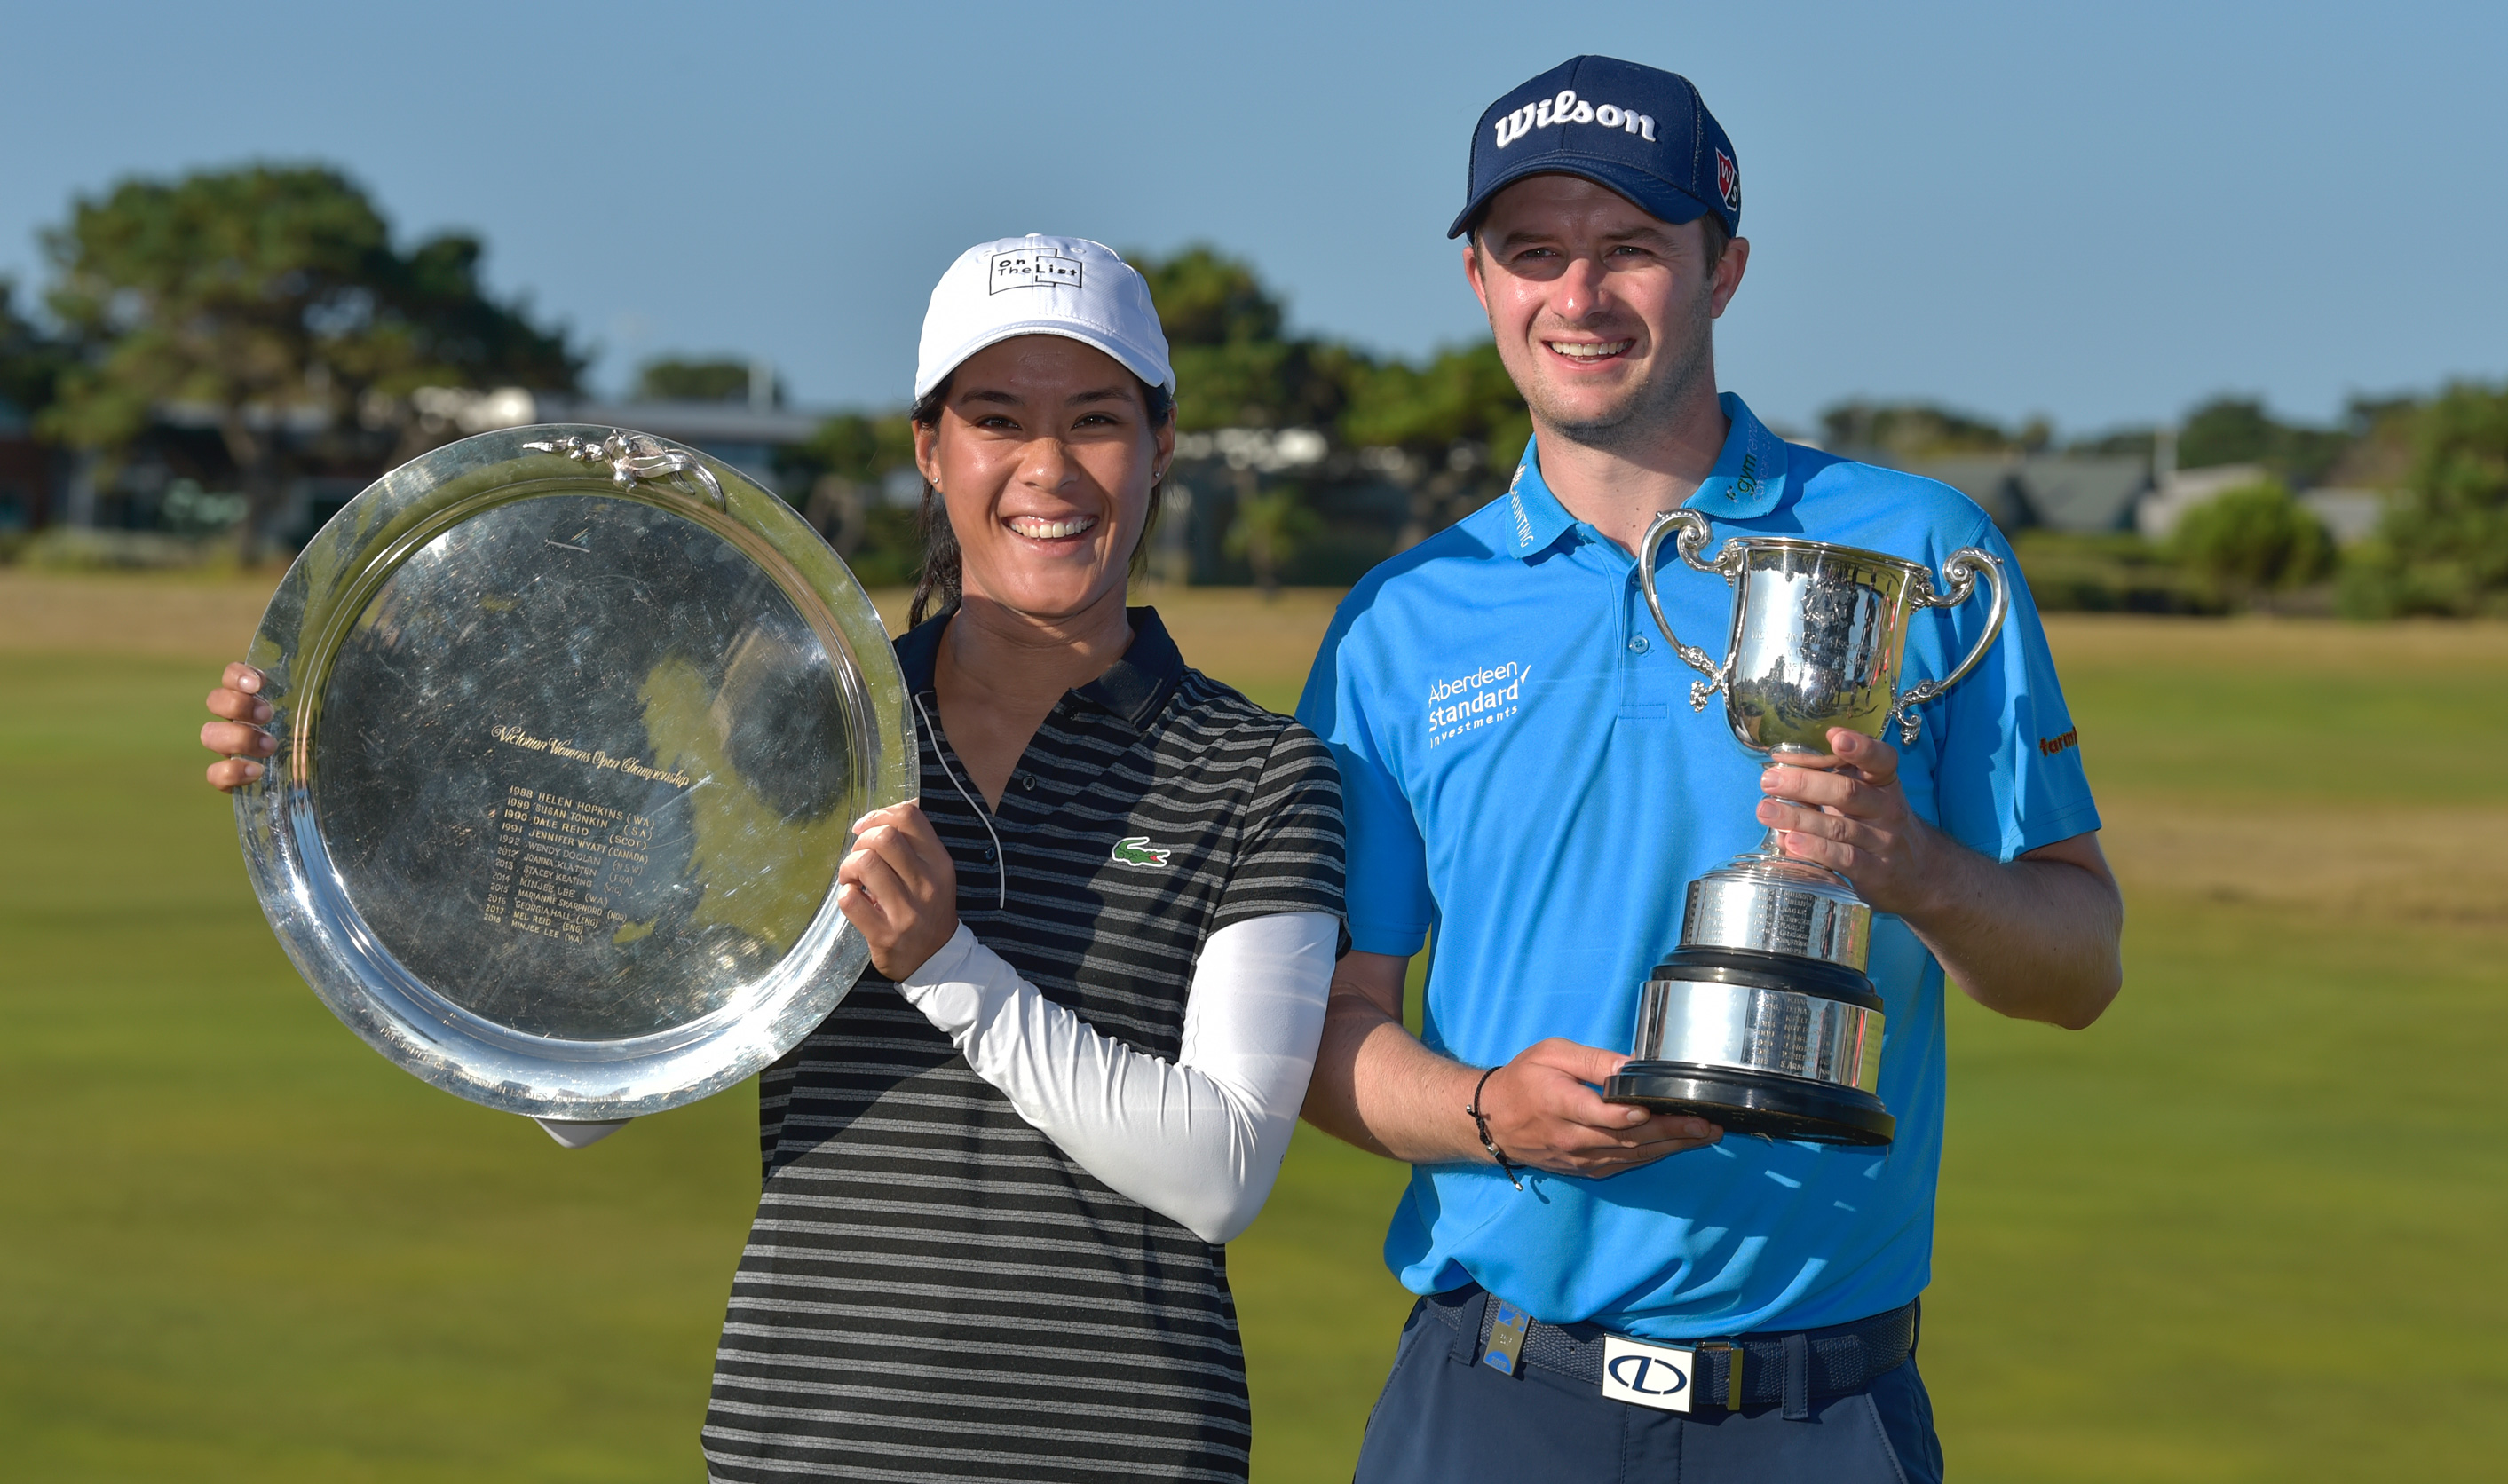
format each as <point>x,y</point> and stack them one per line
<point>2364,865</point>
<point>1231,633</point>
<point>201,618</point>
<point>2297,645</point>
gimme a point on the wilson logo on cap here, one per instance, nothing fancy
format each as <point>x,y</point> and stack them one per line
<point>1030,268</point>
<point>1568,108</point>
<point>1663,152</point>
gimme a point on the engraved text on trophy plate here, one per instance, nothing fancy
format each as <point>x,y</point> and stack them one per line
<point>580,768</point>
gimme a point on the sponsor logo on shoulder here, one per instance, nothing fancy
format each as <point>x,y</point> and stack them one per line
<point>1568,108</point>
<point>1137,850</point>
<point>1476,699</point>
<point>1027,268</point>
<point>1745,485</point>
<point>2050,745</point>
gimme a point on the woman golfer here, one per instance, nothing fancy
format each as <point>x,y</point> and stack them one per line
<point>997,1177</point>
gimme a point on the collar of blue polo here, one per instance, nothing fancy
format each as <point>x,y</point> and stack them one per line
<point>1747,482</point>
<point>1749,474</point>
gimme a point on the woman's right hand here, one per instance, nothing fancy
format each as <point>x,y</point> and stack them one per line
<point>238,738</point>
<point>898,887</point>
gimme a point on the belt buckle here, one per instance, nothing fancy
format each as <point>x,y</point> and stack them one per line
<point>1645,1375</point>
<point>1732,1369</point>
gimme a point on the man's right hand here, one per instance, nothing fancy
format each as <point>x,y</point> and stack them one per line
<point>238,738</point>
<point>1377,1087</point>
<point>1544,1112</point>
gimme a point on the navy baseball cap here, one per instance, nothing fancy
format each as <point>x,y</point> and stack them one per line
<point>1643,132</point>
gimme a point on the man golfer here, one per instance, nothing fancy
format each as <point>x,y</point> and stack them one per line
<point>1526,782</point>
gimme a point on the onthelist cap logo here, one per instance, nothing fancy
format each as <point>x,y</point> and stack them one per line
<point>1027,268</point>
<point>1568,108</point>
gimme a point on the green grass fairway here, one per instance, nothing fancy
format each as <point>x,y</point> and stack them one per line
<point>2247,1228</point>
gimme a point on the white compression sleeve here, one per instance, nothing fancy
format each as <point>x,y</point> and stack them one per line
<point>1199,1140</point>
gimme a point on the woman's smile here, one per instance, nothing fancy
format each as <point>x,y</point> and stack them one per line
<point>1051,531</point>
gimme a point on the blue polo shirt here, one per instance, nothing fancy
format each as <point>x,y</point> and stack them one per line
<point>1524,779</point>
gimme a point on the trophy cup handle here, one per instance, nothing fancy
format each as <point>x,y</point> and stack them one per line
<point>1962,569</point>
<point>1694,532</point>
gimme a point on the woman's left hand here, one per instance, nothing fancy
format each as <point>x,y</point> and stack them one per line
<point>900,887</point>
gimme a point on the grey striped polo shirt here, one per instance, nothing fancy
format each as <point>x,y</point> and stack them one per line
<point>933,1291</point>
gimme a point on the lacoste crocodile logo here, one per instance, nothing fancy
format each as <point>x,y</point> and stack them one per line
<point>1137,850</point>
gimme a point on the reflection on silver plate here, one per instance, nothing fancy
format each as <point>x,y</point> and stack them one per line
<point>573,724</point>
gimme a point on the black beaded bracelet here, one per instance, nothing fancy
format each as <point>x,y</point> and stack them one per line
<point>1479,1121</point>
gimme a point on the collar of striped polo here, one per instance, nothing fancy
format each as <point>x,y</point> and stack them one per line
<point>1132,689</point>
<point>1748,481</point>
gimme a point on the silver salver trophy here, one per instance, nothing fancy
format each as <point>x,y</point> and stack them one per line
<point>1763,1020</point>
<point>573,726</point>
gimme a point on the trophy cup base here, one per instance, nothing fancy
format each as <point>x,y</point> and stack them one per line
<point>1754,1103</point>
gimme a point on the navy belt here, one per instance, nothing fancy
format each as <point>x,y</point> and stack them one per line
<point>1779,1367</point>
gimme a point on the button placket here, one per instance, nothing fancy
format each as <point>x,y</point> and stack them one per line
<point>974,895</point>
<point>1641,679</point>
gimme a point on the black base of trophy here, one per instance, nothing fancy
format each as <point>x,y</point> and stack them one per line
<point>1764,970</point>
<point>1754,1101</point>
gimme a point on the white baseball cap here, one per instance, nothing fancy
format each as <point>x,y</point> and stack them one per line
<point>1039,285</point>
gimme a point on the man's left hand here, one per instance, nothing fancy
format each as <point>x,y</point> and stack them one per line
<point>1847,811</point>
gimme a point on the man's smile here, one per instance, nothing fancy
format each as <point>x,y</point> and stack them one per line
<point>1590,350</point>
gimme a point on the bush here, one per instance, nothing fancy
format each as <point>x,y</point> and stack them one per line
<point>75,549</point>
<point>2444,547</point>
<point>1269,530</point>
<point>2252,540</point>
<point>2118,573</point>
<point>890,554</point>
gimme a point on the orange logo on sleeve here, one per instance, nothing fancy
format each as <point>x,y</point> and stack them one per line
<point>2050,745</point>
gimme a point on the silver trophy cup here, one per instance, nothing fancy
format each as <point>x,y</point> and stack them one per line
<point>1763,1020</point>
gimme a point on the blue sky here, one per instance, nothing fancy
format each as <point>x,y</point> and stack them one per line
<point>2102,213</point>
